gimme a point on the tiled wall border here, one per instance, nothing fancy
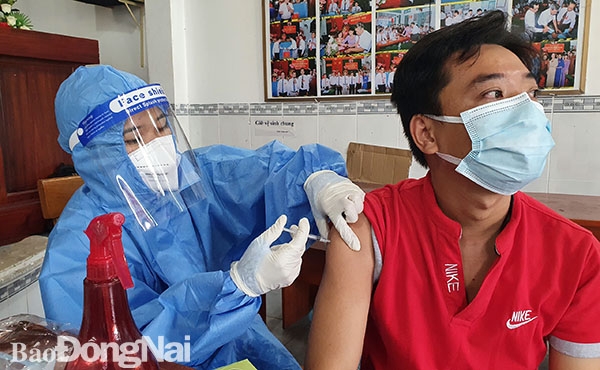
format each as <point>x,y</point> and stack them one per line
<point>561,104</point>
<point>19,284</point>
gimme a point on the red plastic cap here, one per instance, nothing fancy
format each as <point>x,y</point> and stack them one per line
<point>107,258</point>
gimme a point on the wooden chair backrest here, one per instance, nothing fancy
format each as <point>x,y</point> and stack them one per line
<point>55,193</point>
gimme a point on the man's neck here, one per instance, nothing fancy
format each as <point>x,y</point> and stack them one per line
<point>480,213</point>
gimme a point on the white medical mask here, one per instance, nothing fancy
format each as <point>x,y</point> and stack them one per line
<point>157,163</point>
<point>510,143</point>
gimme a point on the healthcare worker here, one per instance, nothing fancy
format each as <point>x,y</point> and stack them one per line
<point>194,235</point>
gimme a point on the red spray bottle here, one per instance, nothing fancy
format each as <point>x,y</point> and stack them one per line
<point>109,338</point>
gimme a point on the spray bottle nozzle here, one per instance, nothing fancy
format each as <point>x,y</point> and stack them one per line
<point>107,258</point>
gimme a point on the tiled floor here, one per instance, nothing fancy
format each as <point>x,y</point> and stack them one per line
<point>293,338</point>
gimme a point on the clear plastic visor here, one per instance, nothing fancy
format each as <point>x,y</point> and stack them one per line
<point>160,152</point>
<point>151,146</point>
<point>135,141</point>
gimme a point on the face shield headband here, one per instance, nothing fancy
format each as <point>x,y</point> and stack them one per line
<point>115,111</point>
<point>138,144</point>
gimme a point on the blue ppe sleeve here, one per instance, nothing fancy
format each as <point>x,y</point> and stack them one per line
<point>284,189</point>
<point>181,267</point>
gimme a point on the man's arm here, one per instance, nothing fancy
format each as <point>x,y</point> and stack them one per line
<point>342,304</point>
<point>555,24</point>
<point>355,49</point>
<point>559,361</point>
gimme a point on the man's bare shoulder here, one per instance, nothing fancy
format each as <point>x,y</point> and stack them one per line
<point>340,256</point>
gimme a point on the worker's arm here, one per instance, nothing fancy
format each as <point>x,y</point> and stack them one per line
<point>340,314</point>
<point>559,361</point>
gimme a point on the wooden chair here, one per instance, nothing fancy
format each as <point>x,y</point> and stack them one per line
<point>55,193</point>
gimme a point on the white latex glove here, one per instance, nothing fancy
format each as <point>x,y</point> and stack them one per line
<point>263,268</point>
<point>334,196</point>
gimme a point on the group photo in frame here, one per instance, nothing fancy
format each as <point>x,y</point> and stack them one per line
<point>552,28</point>
<point>350,48</point>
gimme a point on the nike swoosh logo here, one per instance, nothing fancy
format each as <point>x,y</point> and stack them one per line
<point>514,326</point>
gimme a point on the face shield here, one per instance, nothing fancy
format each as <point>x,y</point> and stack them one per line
<point>150,145</point>
<point>141,150</point>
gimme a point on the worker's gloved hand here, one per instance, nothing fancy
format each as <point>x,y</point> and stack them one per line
<point>263,268</point>
<point>334,196</point>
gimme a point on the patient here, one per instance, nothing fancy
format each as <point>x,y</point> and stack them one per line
<point>459,269</point>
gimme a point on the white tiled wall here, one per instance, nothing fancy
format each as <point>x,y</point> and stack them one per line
<point>575,163</point>
<point>380,129</point>
<point>337,131</point>
<point>203,130</point>
<point>235,130</point>
<point>573,166</point>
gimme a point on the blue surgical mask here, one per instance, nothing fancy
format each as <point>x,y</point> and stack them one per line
<point>510,143</point>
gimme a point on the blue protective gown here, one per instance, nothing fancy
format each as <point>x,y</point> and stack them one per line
<point>180,268</point>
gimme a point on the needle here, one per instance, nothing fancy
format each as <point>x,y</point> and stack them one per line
<point>310,236</point>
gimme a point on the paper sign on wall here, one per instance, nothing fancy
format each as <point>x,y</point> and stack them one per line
<point>274,128</point>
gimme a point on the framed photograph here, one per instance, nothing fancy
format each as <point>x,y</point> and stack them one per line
<point>558,31</point>
<point>339,49</point>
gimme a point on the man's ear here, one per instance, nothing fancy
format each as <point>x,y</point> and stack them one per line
<point>423,133</point>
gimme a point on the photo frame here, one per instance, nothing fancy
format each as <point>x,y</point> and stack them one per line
<point>558,31</point>
<point>349,49</point>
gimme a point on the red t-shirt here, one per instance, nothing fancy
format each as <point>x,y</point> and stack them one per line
<point>545,283</point>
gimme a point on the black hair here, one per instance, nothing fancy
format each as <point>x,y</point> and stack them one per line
<point>423,71</point>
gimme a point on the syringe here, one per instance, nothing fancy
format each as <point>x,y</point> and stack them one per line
<point>310,236</point>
